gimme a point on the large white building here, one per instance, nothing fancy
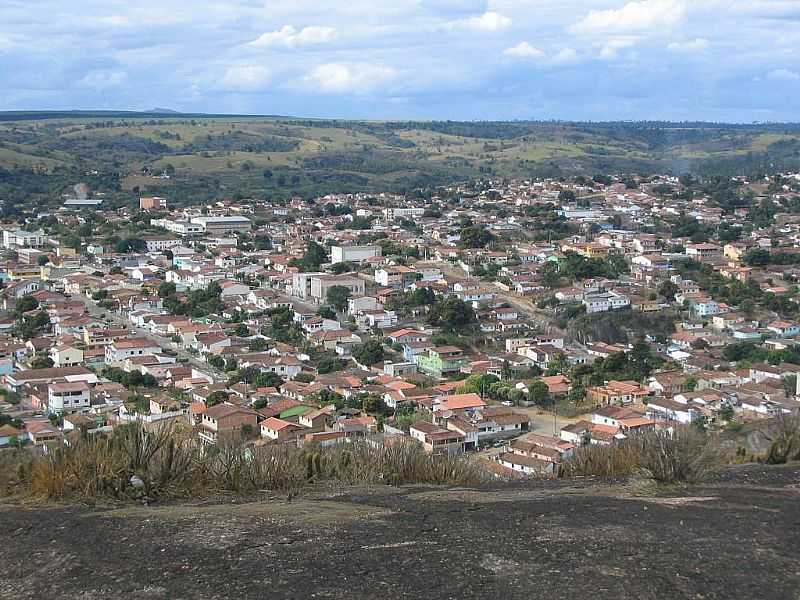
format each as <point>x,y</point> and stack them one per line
<point>222,224</point>
<point>392,214</point>
<point>356,254</point>
<point>605,301</point>
<point>23,239</point>
<point>68,397</point>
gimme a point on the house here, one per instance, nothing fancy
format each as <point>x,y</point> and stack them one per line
<point>226,422</point>
<point>441,361</point>
<point>396,276</point>
<point>527,465</point>
<point>784,329</point>
<point>458,402</point>
<point>15,381</point>
<point>616,392</point>
<point>68,397</point>
<point>278,430</point>
<point>66,356</point>
<point>119,350</point>
<point>435,439</point>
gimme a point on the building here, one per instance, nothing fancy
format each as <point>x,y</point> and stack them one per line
<point>320,284</point>
<point>605,301</point>
<point>68,397</point>
<point>393,214</point>
<point>66,356</point>
<point>184,228</point>
<point>23,239</point>
<point>437,440</point>
<point>441,361</point>
<point>226,421</point>
<point>232,224</point>
<point>355,254</point>
<point>120,350</point>
<point>153,203</point>
<point>160,243</point>
<point>616,392</point>
<point>397,276</point>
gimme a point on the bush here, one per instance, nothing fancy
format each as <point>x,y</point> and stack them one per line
<point>783,435</point>
<point>166,464</point>
<point>683,455</point>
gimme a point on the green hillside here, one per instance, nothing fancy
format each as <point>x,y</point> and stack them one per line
<point>209,156</point>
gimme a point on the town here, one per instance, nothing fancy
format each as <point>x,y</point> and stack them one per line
<point>511,322</point>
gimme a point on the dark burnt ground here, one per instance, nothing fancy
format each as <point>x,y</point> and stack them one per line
<point>736,537</point>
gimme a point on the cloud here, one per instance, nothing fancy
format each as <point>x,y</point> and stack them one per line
<point>783,75</point>
<point>565,56</point>
<point>523,50</point>
<point>103,79</point>
<point>352,78</point>
<point>634,17</point>
<point>694,45</point>
<point>290,37</point>
<point>488,21</point>
<point>245,78</point>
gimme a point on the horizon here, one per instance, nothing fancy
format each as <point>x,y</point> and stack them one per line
<point>461,60</point>
<point>44,113</point>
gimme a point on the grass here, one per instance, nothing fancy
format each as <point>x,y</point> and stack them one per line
<point>133,462</point>
<point>685,455</point>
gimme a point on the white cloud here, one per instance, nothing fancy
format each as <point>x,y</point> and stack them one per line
<point>488,21</point>
<point>611,48</point>
<point>290,37</point>
<point>694,45</point>
<point>244,78</point>
<point>565,56</point>
<point>352,78</point>
<point>523,50</point>
<point>104,79</point>
<point>633,17</point>
<point>783,75</point>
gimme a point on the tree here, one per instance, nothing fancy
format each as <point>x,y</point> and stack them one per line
<point>41,362</point>
<point>241,330</point>
<point>475,236</point>
<point>369,353</point>
<point>166,289</point>
<point>337,296</point>
<point>130,245</point>
<point>217,397</point>
<point>42,260</point>
<point>452,314</point>
<point>539,393</point>
<point>26,304</point>
<point>668,290</point>
<point>330,364</point>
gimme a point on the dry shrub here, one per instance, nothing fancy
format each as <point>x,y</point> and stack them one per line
<point>684,454</point>
<point>400,463</point>
<point>783,435</point>
<point>170,465</point>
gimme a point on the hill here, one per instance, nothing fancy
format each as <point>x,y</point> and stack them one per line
<point>209,156</point>
<point>733,537</point>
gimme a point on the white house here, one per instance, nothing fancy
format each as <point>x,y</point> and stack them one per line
<point>68,397</point>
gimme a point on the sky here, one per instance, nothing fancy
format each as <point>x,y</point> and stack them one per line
<point>712,60</point>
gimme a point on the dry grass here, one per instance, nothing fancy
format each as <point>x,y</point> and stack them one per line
<point>684,455</point>
<point>164,464</point>
<point>783,435</point>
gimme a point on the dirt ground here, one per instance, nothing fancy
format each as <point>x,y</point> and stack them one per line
<point>735,537</point>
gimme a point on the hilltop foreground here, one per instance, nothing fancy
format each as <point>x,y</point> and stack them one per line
<point>734,537</point>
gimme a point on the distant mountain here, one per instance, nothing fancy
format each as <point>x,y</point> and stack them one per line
<point>162,111</point>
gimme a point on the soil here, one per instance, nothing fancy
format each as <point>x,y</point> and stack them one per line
<point>734,537</point>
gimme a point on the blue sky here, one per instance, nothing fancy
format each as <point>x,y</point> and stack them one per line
<point>724,60</point>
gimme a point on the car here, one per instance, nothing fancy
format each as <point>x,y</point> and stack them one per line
<point>507,403</point>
